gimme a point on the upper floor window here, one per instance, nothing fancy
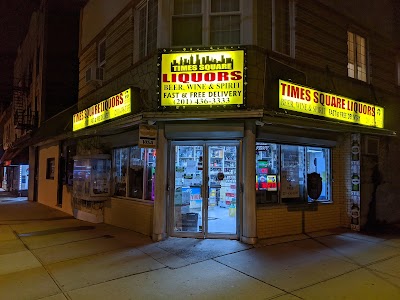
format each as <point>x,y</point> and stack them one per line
<point>225,22</point>
<point>147,14</point>
<point>101,53</point>
<point>187,23</point>
<point>356,56</point>
<point>283,27</point>
<point>206,22</point>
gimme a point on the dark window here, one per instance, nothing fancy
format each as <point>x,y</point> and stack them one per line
<point>50,169</point>
<point>101,52</point>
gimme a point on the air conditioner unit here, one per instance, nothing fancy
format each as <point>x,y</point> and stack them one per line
<point>94,74</point>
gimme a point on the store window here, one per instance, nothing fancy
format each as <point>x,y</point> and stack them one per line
<point>206,22</point>
<point>292,174</point>
<point>283,27</point>
<point>134,172</point>
<point>356,56</point>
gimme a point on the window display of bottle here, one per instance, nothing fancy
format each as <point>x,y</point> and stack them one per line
<point>355,150</point>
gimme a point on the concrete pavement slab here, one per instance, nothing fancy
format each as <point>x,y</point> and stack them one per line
<point>205,280</point>
<point>154,251</point>
<point>77,273</point>
<point>6,233</point>
<point>281,239</point>
<point>173,261</point>
<point>196,250</point>
<point>27,211</point>
<point>43,241</point>
<point>58,253</point>
<point>393,242</point>
<point>79,232</point>
<point>365,237</point>
<point>287,297</point>
<point>11,246</point>
<point>315,245</point>
<point>55,297</point>
<point>131,238</point>
<point>37,226</point>
<point>358,251</point>
<point>18,261</point>
<point>389,266</point>
<point>29,284</point>
<point>359,284</point>
<point>286,266</point>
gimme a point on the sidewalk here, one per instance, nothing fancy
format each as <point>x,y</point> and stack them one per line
<point>46,254</point>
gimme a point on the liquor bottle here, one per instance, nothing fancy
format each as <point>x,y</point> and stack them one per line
<point>355,151</point>
<point>355,182</point>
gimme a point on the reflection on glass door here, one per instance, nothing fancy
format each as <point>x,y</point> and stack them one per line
<point>188,201</point>
<point>205,195</point>
<point>222,199</point>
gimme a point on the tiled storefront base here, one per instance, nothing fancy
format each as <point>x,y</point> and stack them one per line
<point>283,220</point>
<point>129,214</point>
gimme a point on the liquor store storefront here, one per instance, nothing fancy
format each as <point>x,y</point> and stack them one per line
<point>206,165</point>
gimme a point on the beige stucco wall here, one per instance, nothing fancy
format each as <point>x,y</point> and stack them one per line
<point>47,188</point>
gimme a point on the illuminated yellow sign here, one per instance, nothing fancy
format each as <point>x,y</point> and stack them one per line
<point>202,78</point>
<point>108,109</point>
<point>306,100</point>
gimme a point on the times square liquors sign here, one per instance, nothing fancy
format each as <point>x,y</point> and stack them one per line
<point>204,78</point>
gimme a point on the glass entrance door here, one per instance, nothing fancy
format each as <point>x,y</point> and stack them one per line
<point>205,191</point>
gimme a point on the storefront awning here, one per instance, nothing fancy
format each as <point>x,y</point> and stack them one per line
<point>56,128</point>
<point>282,119</point>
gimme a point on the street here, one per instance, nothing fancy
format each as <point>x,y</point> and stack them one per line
<point>46,254</point>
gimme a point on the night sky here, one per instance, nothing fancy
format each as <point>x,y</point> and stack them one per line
<point>14,20</point>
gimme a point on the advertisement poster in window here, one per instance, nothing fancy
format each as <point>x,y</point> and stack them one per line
<point>289,185</point>
<point>355,181</point>
<point>271,183</point>
<point>290,178</point>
